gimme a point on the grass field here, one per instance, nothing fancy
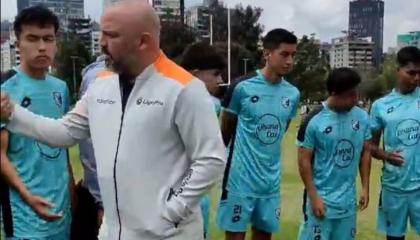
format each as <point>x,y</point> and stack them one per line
<point>292,190</point>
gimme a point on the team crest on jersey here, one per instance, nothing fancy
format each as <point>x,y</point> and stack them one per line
<point>355,124</point>
<point>25,102</point>
<point>353,233</point>
<point>254,99</point>
<point>58,99</point>
<point>285,102</point>
<point>278,212</point>
<point>390,110</point>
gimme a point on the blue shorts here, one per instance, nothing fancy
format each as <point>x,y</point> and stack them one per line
<point>205,212</point>
<point>396,209</point>
<point>235,213</point>
<point>59,236</point>
<point>328,228</point>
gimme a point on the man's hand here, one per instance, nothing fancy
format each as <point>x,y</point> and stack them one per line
<point>100,217</point>
<point>394,158</point>
<point>41,206</point>
<point>6,107</point>
<point>318,207</point>
<point>364,199</point>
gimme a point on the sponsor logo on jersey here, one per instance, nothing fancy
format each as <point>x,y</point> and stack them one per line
<point>26,101</point>
<point>343,153</point>
<point>268,129</point>
<point>255,99</point>
<point>408,132</point>
<point>328,130</point>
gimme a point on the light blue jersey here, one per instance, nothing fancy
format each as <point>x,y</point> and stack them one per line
<point>43,170</point>
<point>337,140</point>
<point>264,110</point>
<point>399,117</point>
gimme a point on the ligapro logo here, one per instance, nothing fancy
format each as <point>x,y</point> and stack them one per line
<point>408,132</point>
<point>149,102</point>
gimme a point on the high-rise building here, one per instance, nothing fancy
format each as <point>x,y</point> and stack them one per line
<point>95,38</point>
<point>168,10</point>
<point>82,28</point>
<point>409,39</point>
<point>366,19</point>
<point>6,57</point>
<point>64,9</point>
<point>352,52</point>
<point>198,18</point>
<point>209,3</point>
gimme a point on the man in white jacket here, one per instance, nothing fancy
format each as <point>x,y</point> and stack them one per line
<point>155,135</point>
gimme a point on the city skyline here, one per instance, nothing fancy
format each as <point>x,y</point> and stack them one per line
<point>326,18</point>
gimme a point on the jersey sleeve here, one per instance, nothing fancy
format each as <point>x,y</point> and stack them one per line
<point>232,100</point>
<point>66,99</point>
<point>368,131</point>
<point>295,106</point>
<point>376,122</point>
<point>307,135</point>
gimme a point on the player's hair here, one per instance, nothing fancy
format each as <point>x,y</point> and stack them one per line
<point>408,55</point>
<point>202,56</point>
<point>35,15</point>
<point>341,80</point>
<point>275,37</point>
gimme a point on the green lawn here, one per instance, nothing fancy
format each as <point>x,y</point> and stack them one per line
<point>292,190</point>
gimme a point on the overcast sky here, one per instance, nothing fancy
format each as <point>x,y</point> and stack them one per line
<point>325,18</point>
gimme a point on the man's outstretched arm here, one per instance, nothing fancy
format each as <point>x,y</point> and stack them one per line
<point>63,132</point>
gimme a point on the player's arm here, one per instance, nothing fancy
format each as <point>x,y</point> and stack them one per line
<point>11,177</point>
<point>305,157</point>
<point>228,126</point>
<point>63,132</point>
<point>295,106</point>
<point>306,140</point>
<point>364,170</point>
<point>377,125</point>
<point>231,105</point>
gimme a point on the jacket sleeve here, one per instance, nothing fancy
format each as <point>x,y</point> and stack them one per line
<point>199,129</point>
<point>63,132</point>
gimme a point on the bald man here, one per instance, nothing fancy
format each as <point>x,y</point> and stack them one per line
<point>155,161</point>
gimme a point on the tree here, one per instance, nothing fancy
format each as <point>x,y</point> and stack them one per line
<point>175,37</point>
<point>238,53</point>
<point>310,70</point>
<point>245,31</point>
<point>388,70</point>
<point>67,47</point>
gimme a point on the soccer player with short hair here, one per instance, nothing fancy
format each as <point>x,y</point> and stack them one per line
<point>333,145</point>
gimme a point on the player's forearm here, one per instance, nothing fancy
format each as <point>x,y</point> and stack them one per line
<point>305,170</point>
<point>49,131</point>
<point>378,152</point>
<point>364,168</point>
<point>12,178</point>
